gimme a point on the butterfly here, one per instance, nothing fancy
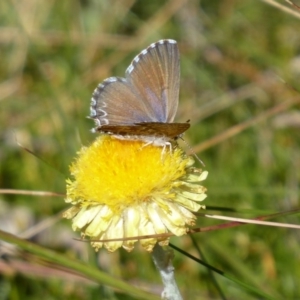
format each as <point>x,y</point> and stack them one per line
<point>142,105</point>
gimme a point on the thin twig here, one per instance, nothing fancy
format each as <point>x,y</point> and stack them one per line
<point>282,7</point>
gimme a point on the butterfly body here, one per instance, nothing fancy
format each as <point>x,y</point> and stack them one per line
<point>144,103</point>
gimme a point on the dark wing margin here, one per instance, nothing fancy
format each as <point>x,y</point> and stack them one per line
<point>167,130</point>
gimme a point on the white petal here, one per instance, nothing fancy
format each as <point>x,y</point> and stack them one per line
<point>192,196</point>
<point>80,220</point>
<point>131,224</point>
<point>114,231</point>
<point>189,217</point>
<point>146,228</point>
<point>171,227</point>
<point>203,175</point>
<point>100,222</point>
<point>189,204</point>
<point>158,225</point>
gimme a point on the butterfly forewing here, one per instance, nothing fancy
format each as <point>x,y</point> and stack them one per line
<point>155,74</point>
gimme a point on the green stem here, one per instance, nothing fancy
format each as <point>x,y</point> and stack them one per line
<point>84,269</point>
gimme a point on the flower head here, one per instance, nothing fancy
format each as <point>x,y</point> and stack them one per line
<point>124,188</point>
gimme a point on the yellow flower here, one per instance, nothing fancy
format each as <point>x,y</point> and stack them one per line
<point>124,188</point>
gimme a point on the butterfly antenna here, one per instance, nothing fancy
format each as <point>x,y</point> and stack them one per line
<point>190,148</point>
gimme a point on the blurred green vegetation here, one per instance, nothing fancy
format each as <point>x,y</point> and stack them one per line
<point>234,55</point>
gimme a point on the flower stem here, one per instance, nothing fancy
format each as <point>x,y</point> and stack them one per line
<point>162,258</point>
